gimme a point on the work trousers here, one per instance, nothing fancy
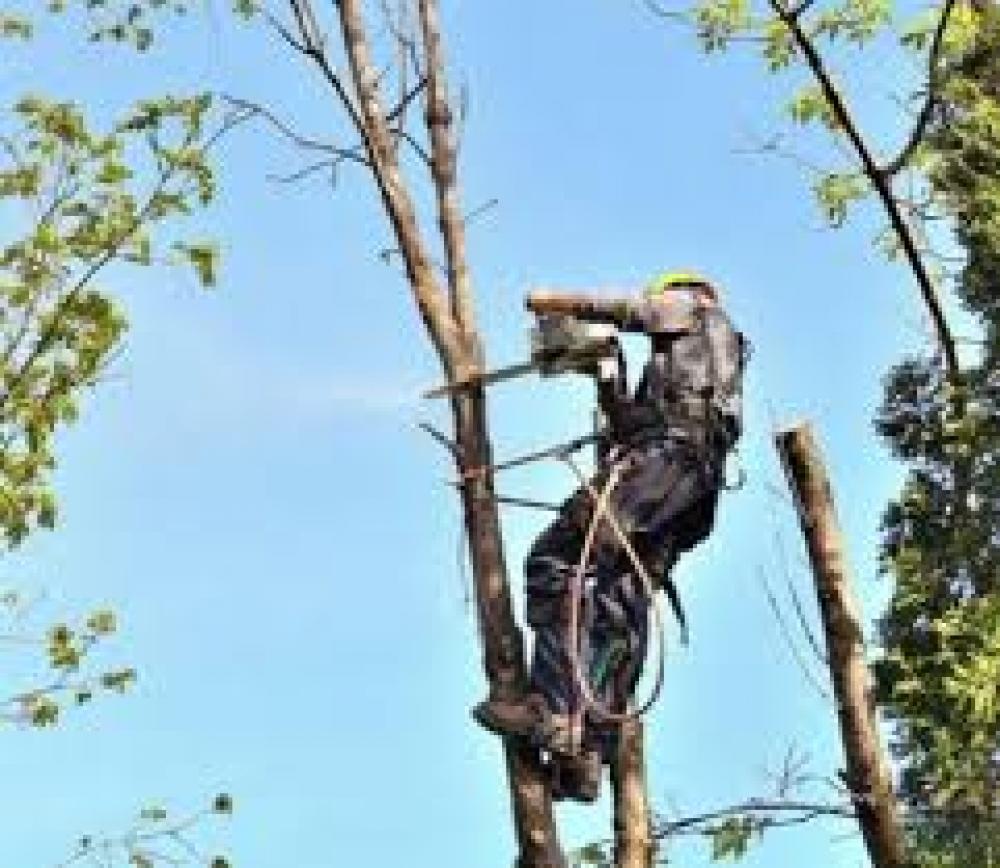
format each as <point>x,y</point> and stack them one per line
<point>665,501</point>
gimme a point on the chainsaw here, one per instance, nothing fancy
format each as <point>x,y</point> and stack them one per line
<point>560,344</point>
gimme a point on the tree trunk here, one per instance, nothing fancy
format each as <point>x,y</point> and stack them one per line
<point>634,847</point>
<point>503,646</point>
<point>868,772</point>
<point>448,314</point>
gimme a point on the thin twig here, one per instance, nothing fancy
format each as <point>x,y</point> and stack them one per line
<point>441,438</point>
<point>253,109</point>
<point>790,642</point>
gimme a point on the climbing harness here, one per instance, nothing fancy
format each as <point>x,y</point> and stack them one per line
<point>564,452</point>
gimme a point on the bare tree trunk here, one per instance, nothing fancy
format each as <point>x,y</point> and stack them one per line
<point>868,771</point>
<point>503,646</point>
<point>634,845</point>
<point>447,311</point>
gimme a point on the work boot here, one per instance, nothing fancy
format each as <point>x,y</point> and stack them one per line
<point>527,717</point>
<point>577,777</point>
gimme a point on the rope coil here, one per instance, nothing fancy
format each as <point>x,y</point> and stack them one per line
<point>582,684</point>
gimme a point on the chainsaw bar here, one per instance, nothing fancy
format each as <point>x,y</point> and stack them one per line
<point>496,376</point>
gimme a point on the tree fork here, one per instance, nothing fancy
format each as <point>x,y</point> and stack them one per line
<point>868,771</point>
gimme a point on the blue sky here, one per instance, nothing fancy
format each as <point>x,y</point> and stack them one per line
<point>250,492</point>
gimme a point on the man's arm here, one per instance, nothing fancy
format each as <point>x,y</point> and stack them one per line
<point>585,307</point>
<point>665,315</point>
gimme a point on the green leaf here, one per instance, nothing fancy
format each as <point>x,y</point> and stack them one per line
<point>731,838</point>
<point>102,622</point>
<point>836,192</point>
<point>809,105</point>
<point>204,258</point>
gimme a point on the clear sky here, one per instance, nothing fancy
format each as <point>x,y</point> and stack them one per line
<point>249,491</point>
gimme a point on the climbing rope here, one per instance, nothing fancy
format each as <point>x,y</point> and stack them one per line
<point>564,452</point>
<point>602,510</point>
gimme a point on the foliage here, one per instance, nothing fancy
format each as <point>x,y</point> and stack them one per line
<point>940,668</point>
<point>939,674</point>
<point>156,837</point>
<point>841,26</point>
<point>77,200</point>
<point>593,855</point>
<point>119,21</point>
<point>94,199</point>
<point>65,650</point>
<point>732,837</point>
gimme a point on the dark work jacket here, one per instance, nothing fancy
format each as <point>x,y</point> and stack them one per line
<point>692,385</point>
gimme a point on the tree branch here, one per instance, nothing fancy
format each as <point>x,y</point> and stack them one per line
<point>395,197</point>
<point>879,182</point>
<point>456,343</point>
<point>895,166</point>
<point>443,169</point>
<point>770,813</point>
<point>253,109</point>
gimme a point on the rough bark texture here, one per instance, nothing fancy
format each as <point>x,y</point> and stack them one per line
<point>868,772</point>
<point>634,845</point>
<point>503,647</point>
<point>448,315</point>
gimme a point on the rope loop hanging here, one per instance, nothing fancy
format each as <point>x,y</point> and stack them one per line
<point>602,511</point>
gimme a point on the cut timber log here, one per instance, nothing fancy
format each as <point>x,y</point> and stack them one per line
<point>868,773</point>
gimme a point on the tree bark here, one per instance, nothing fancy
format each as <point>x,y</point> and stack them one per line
<point>868,772</point>
<point>448,316</point>
<point>503,646</point>
<point>634,845</point>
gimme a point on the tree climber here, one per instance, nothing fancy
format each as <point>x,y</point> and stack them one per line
<point>665,447</point>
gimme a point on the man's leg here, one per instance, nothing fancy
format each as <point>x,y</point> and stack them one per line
<point>665,503</point>
<point>546,714</point>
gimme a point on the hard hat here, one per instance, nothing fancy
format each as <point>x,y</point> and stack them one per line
<point>669,280</point>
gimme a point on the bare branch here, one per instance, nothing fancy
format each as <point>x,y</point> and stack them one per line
<point>441,438</point>
<point>786,634</point>
<point>405,40</point>
<point>456,343</point>
<point>868,774</point>
<point>480,210</point>
<point>408,98</point>
<point>801,8</point>
<point>931,99</point>
<point>399,207</point>
<point>402,135</point>
<point>308,171</point>
<point>283,31</point>
<point>443,168</point>
<point>804,623</point>
<point>253,109</point>
<point>767,813</point>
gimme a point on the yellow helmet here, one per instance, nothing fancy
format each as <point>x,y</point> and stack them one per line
<point>669,280</point>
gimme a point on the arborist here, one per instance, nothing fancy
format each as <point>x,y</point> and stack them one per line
<point>660,471</point>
